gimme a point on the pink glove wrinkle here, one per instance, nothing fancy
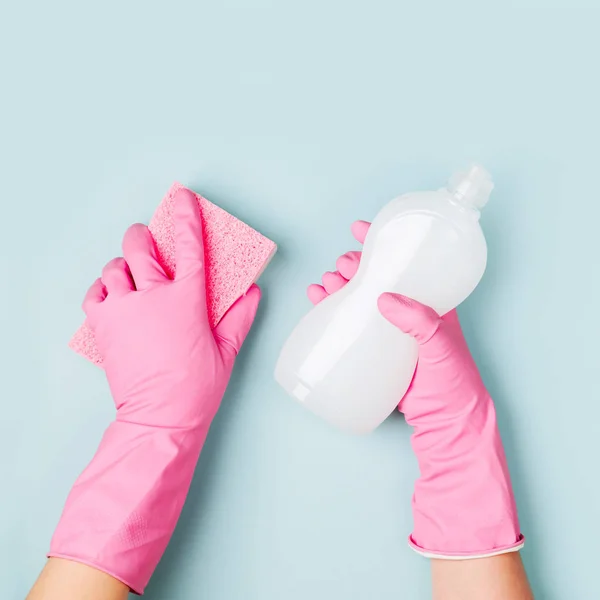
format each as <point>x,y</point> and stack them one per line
<point>167,371</point>
<point>463,503</point>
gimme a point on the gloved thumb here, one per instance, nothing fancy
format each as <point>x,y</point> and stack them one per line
<point>232,329</point>
<point>410,316</point>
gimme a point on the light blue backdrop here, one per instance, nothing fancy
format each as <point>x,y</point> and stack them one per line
<point>300,117</point>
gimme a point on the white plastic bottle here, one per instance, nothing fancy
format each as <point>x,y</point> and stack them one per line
<point>344,361</point>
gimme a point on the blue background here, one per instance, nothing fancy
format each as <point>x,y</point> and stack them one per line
<point>300,117</point>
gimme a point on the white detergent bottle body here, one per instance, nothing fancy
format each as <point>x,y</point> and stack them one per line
<point>344,361</point>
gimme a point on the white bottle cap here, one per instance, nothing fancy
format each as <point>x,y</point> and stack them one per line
<point>471,188</point>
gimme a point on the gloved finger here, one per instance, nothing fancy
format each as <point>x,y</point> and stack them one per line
<point>189,243</point>
<point>232,329</point>
<point>116,277</point>
<point>359,230</point>
<point>333,281</point>
<point>348,264</point>
<point>94,296</point>
<point>410,316</point>
<point>139,251</point>
<point>316,293</point>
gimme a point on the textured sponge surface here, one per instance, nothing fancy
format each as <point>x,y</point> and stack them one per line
<point>235,256</point>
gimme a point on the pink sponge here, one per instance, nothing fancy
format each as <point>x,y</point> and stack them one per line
<point>235,257</point>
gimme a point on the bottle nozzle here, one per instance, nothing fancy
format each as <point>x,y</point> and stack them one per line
<point>471,188</point>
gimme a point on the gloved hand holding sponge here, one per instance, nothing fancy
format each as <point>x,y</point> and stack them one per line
<point>168,366</point>
<point>167,370</point>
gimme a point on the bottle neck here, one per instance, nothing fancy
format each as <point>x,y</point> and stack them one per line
<point>466,207</point>
<point>471,188</point>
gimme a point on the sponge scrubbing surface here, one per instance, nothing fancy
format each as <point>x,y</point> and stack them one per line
<point>235,256</point>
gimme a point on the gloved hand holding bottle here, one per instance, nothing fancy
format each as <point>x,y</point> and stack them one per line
<point>463,504</point>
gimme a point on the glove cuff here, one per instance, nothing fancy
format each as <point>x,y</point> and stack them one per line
<point>467,555</point>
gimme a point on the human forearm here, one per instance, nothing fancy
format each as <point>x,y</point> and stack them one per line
<point>67,580</point>
<point>502,577</point>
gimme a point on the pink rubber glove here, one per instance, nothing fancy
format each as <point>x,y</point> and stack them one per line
<point>167,372</point>
<point>463,503</point>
